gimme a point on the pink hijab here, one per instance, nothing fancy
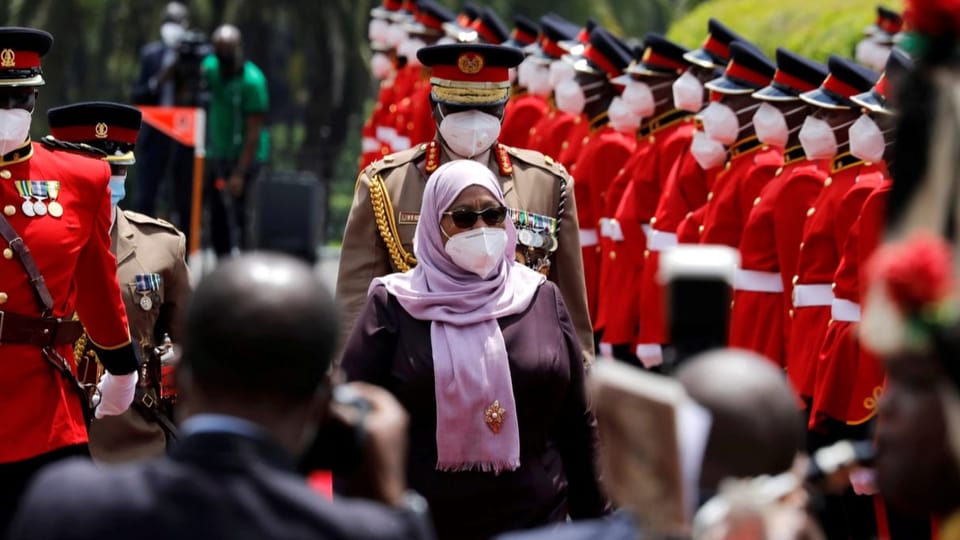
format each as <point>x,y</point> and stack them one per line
<point>470,362</point>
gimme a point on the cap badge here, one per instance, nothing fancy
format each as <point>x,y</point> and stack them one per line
<point>470,63</point>
<point>7,58</point>
<point>100,130</point>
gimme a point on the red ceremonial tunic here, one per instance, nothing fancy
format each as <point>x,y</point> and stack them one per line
<point>521,114</point>
<point>605,154</point>
<point>819,256</point>
<point>72,252</point>
<point>548,134</point>
<point>839,354</point>
<point>577,138</point>
<point>373,147</point>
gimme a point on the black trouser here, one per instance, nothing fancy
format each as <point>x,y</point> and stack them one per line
<point>16,475</point>
<point>228,214</point>
<point>157,157</point>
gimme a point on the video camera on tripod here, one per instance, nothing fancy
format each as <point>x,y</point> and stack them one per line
<point>193,47</point>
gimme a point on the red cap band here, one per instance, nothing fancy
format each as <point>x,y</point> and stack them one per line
<point>881,87</point>
<point>796,83</point>
<point>90,133</point>
<point>485,32</point>
<point>464,20</point>
<point>429,21</point>
<point>736,71</point>
<point>11,59</point>
<point>523,37</point>
<point>716,47</point>
<point>594,56</point>
<point>551,48</point>
<point>583,36</point>
<point>889,26</point>
<point>658,61</point>
<point>393,5</point>
<point>837,86</point>
<point>471,67</point>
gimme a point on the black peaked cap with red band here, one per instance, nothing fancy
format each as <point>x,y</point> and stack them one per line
<point>469,73</point>
<point>20,53</point>
<point>490,27</point>
<point>888,24</point>
<point>430,18</point>
<point>715,51</point>
<point>845,80</point>
<point>658,57</point>
<point>747,71</point>
<point>468,13</point>
<point>554,29</point>
<point>605,54</point>
<point>881,98</point>
<point>110,127</point>
<point>524,33</point>
<point>795,75</point>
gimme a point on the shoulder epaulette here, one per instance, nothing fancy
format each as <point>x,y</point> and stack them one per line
<point>82,149</point>
<point>396,159</point>
<point>143,219</point>
<point>532,157</point>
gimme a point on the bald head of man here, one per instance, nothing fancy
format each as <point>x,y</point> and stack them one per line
<point>258,339</point>
<point>228,46</point>
<point>757,427</point>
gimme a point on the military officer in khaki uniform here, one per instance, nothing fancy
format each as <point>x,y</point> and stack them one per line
<point>151,269</point>
<point>470,85</point>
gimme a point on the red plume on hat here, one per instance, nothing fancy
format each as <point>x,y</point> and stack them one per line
<point>933,17</point>
<point>910,295</point>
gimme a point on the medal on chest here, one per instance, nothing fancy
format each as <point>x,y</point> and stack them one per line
<point>40,198</point>
<point>147,287</point>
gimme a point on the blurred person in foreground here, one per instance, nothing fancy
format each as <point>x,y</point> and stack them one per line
<point>749,427</point>
<point>232,475</point>
<point>482,352</point>
<point>239,144</point>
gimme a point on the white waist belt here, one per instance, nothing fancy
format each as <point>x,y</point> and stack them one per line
<point>400,143</point>
<point>588,237</point>
<point>647,230</point>
<point>752,280</point>
<point>845,310</point>
<point>812,295</point>
<point>660,240</point>
<point>369,144</point>
<point>386,134</point>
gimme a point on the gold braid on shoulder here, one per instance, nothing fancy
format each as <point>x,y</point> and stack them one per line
<point>386,224</point>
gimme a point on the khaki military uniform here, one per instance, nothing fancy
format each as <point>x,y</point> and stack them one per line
<point>143,245</point>
<point>378,238</point>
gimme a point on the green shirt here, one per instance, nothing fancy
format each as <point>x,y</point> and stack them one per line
<point>231,100</point>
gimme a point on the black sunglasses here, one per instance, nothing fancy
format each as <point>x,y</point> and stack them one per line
<point>465,219</point>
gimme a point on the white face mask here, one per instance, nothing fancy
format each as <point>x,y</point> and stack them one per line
<point>445,40</point>
<point>561,71</point>
<point>377,31</point>
<point>477,250</point>
<point>639,98</point>
<point>14,128</point>
<point>708,152</point>
<point>170,33</point>
<point>771,126</point>
<point>469,133</point>
<point>570,97</point>
<point>866,140</point>
<point>622,118</point>
<point>381,66</point>
<point>720,122</point>
<point>396,35</point>
<point>513,75</point>
<point>818,139</point>
<point>409,50</point>
<point>688,93</point>
<point>538,79</point>
<point>872,54</point>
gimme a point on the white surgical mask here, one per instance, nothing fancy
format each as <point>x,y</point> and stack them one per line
<point>872,54</point>
<point>688,93</point>
<point>621,117</point>
<point>381,66</point>
<point>396,35</point>
<point>771,126</point>
<point>445,40</point>
<point>866,140</point>
<point>818,139</point>
<point>477,250</point>
<point>538,79</point>
<point>560,71</point>
<point>469,133</point>
<point>639,98</point>
<point>409,50</point>
<point>513,75</point>
<point>118,188</point>
<point>170,33</point>
<point>377,31</point>
<point>14,128</point>
<point>720,122</point>
<point>570,97</point>
<point>708,152</point>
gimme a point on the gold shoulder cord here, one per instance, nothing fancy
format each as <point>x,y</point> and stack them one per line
<point>383,215</point>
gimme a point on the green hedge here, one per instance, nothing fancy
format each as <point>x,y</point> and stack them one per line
<point>813,28</point>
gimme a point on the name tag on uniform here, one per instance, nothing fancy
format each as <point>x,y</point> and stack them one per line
<point>409,218</point>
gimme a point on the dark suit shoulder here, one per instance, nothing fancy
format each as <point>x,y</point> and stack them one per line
<point>152,48</point>
<point>538,160</point>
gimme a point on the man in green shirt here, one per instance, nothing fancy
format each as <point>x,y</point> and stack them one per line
<point>238,143</point>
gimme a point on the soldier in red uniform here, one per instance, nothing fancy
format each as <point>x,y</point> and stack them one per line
<point>824,135</point>
<point>604,58</point>
<point>682,192</point>
<point>525,108</point>
<point>759,308</point>
<point>632,197</point>
<point>57,262</point>
<point>375,142</point>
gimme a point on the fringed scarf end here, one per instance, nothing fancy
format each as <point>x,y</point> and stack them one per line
<point>496,467</point>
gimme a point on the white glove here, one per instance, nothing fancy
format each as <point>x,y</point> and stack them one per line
<point>116,393</point>
<point>606,350</point>
<point>864,481</point>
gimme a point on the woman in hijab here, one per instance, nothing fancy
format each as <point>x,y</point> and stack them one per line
<point>482,353</point>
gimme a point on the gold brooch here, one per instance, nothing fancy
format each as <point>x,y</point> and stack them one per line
<point>493,416</point>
